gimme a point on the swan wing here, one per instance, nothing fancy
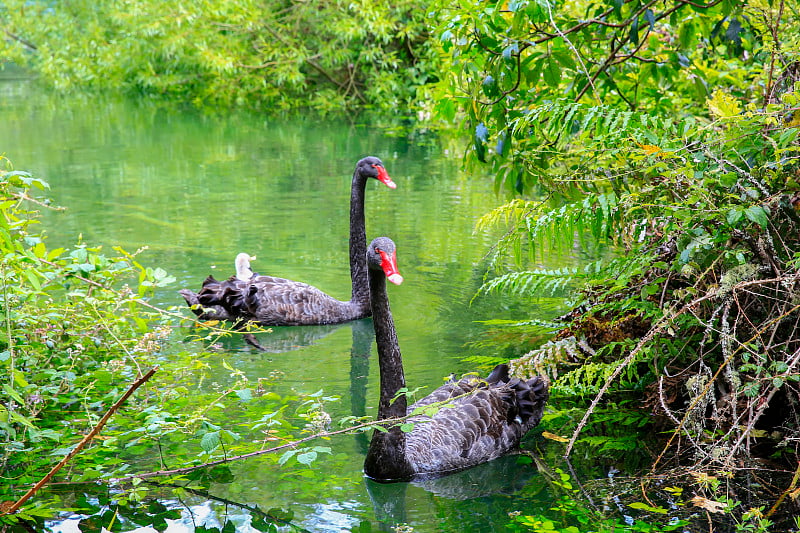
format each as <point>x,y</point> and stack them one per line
<point>475,421</point>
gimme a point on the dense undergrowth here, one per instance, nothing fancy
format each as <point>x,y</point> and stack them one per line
<point>659,140</point>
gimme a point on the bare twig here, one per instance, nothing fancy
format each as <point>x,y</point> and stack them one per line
<point>776,46</point>
<point>657,328</point>
<point>19,39</point>
<point>292,444</point>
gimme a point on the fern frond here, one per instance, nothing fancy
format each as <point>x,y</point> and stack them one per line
<point>531,281</point>
<point>535,322</point>
<point>508,214</point>
<point>598,214</point>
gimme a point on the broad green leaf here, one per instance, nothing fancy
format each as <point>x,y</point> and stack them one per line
<point>722,105</point>
<point>734,216</point>
<point>19,379</point>
<point>16,416</point>
<point>245,394</point>
<point>650,18</point>
<point>552,73</point>
<point>210,441</point>
<point>286,456</point>
<point>757,214</point>
<point>33,279</point>
<point>13,393</point>
<point>307,458</point>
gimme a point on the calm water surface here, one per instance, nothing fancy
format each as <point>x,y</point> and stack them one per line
<point>196,189</point>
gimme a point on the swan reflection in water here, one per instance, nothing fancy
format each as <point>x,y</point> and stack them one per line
<point>398,503</point>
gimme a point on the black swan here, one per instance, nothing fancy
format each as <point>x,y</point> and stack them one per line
<point>272,301</point>
<point>480,419</point>
<point>215,292</point>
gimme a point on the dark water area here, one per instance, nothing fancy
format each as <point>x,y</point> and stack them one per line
<point>196,189</point>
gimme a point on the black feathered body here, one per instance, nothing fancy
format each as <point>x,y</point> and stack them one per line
<point>466,422</point>
<point>480,420</point>
<point>272,301</point>
<point>218,300</point>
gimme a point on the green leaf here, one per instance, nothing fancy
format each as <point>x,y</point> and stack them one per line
<point>757,214</point>
<point>307,458</point>
<point>564,58</point>
<point>210,441</point>
<point>245,394</point>
<point>14,394</point>
<point>22,420</point>
<point>489,87</point>
<point>634,35</point>
<point>19,379</point>
<point>552,73</point>
<point>687,35</point>
<point>645,507</point>
<point>286,456</point>
<point>650,18</point>
<point>33,279</point>
<point>734,216</point>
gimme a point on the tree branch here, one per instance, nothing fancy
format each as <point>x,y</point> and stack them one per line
<point>15,506</point>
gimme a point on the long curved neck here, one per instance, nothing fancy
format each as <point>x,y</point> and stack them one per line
<point>358,243</point>
<point>387,457</point>
<point>390,360</point>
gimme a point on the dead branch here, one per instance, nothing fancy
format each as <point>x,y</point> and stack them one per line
<point>78,447</point>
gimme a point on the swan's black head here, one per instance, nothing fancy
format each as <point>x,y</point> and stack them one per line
<point>382,255</point>
<point>372,167</point>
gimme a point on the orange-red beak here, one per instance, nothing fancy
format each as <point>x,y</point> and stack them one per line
<point>384,178</point>
<point>389,266</point>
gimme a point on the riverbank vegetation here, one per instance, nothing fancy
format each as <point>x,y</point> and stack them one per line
<point>659,139</point>
<point>665,132</point>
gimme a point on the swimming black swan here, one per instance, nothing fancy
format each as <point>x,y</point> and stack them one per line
<point>216,292</point>
<point>274,301</point>
<point>480,419</point>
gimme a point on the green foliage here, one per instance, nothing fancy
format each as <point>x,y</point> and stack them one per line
<point>662,140</point>
<point>75,331</point>
<point>522,70</point>
<point>273,55</point>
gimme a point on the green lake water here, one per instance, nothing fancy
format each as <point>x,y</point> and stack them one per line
<point>198,188</point>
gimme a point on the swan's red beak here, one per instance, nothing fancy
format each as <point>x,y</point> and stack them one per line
<point>384,178</point>
<point>389,266</point>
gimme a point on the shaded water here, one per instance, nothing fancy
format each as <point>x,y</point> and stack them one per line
<point>196,189</point>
